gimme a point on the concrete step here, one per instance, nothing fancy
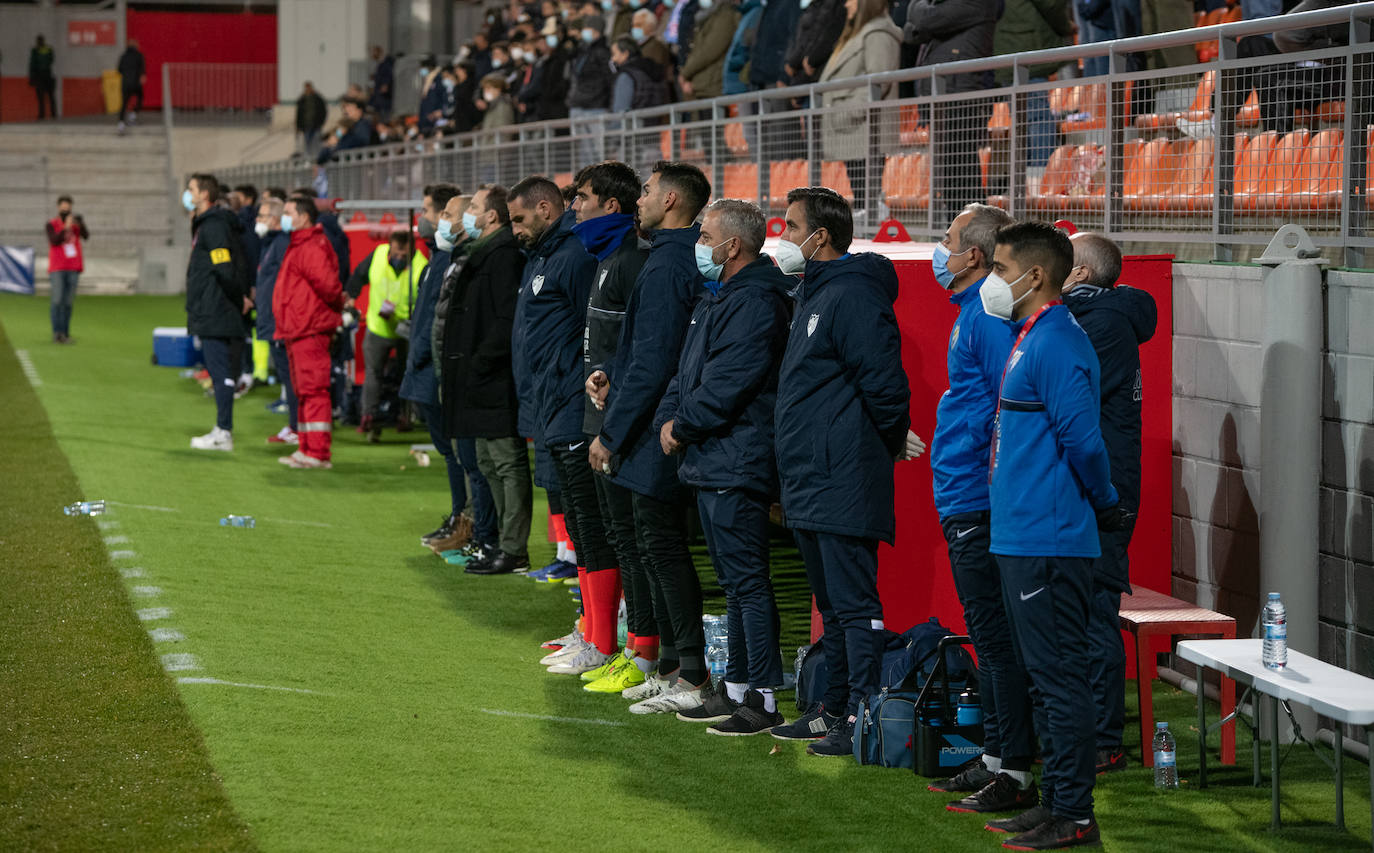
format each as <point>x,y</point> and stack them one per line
<point>83,181</point>
<point>103,274</point>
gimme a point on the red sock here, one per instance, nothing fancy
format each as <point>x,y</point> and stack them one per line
<point>631,641</point>
<point>558,528</point>
<point>647,647</point>
<point>601,598</point>
<point>588,617</point>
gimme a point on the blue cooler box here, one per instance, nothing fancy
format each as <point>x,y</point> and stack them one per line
<point>174,347</point>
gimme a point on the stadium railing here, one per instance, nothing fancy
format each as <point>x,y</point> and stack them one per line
<point>219,92</point>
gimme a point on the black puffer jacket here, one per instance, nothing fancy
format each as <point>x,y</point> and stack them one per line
<point>591,77</point>
<point>950,31</point>
<point>817,31</point>
<point>217,277</point>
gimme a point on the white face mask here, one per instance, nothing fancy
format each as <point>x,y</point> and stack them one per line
<point>490,96</point>
<point>996,296</point>
<point>260,229</point>
<point>790,259</point>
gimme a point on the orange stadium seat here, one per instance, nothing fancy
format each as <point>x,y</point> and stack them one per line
<point>1199,110</point>
<point>1320,175</point>
<point>1251,162</point>
<point>1155,168</point>
<point>1248,115</point>
<point>1086,189</point>
<point>984,164</point>
<point>783,176</point>
<point>1282,174</point>
<point>1192,189</point>
<point>835,175</point>
<point>740,180</point>
<point>999,125</point>
<point>734,139</point>
<point>1054,183</point>
<point>910,131</point>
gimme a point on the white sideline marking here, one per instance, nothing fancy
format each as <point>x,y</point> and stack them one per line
<point>152,614</point>
<point>302,523</point>
<point>144,506</point>
<point>116,540</point>
<point>107,524</point>
<point>180,662</point>
<point>191,680</point>
<point>135,572</point>
<point>26,365</point>
<point>122,555</point>
<point>166,635</point>
<point>496,713</point>
<point>147,591</point>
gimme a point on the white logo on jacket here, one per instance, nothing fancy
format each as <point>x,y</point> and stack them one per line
<point>602,281</point>
<point>811,324</point>
<point>537,285</point>
<point>1015,357</point>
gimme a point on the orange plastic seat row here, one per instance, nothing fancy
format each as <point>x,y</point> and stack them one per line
<point>835,175</point>
<point>783,176</point>
<point>740,180</point>
<point>1199,110</point>
<point>906,181</point>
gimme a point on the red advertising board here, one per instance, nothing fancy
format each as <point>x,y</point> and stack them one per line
<point>91,33</point>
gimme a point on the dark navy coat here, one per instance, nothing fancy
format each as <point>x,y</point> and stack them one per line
<point>646,360</point>
<point>273,251</point>
<point>558,279</point>
<point>614,282</point>
<point>419,384</point>
<point>843,400</point>
<point>721,401</point>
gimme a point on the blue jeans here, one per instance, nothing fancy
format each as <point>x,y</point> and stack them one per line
<point>63,295</point>
<point>1042,127</point>
<point>460,459</point>
<point>1092,34</point>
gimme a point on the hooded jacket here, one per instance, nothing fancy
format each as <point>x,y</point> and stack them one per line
<point>612,285</point>
<point>843,400</point>
<point>418,384</point>
<point>646,360</point>
<point>308,297</point>
<point>818,28</point>
<point>269,265</point>
<point>721,401</point>
<point>558,278</point>
<point>217,275</point>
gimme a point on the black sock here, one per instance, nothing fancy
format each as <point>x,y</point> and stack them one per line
<point>667,666</point>
<point>694,670</point>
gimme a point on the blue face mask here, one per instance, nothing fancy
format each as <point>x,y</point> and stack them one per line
<point>188,201</point>
<point>939,264</point>
<point>805,3</point>
<point>443,235</point>
<point>470,226</point>
<point>709,269</point>
<point>704,4</point>
<point>551,40</point>
<point>588,36</point>
<point>637,33</point>
<point>286,223</point>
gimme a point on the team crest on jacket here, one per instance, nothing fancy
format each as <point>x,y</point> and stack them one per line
<point>537,285</point>
<point>811,324</point>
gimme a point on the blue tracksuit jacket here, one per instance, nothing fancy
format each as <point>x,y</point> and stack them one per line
<point>269,264</point>
<point>419,383</point>
<point>843,400</point>
<point>1049,466</point>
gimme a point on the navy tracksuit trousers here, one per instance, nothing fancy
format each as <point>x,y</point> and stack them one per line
<point>735,523</point>
<point>223,358</point>
<point>1107,662</point>
<point>843,573</point>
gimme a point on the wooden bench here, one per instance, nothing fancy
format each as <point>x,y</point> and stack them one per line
<point>1146,614</point>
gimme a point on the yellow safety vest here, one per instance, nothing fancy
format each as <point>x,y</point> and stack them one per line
<point>385,283</point>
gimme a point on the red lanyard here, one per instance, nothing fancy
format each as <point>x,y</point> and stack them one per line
<point>1025,330</point>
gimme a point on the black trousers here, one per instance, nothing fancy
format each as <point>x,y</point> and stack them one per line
<point>1047,602</point>
<point>134,93</point>
<point>735,522</point>
<point>661,529</point>
<point>582,507</point>
<point>283,368</point>
<point>618,513</point>
<point>843,573</point>
<point>222,357</point>
<point>1107,655</point>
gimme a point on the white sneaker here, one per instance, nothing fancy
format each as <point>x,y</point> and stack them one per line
<point>680,697</point>
<point>566,653</point>
<point>215,439</point>
<point>652,686</point>
<point>567,639</point>
<point>584,661</point>
<point>301,460</point>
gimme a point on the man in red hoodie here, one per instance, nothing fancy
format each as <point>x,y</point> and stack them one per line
<point>65,233</point>
<point>306,303</point>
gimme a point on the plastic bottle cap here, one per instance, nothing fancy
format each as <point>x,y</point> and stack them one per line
<point>1161,726</point>
<point>1273,596</point>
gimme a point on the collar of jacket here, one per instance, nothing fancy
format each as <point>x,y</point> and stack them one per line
<point>759,273</point>
<point>858,269</point>
<point>484,246</point>
<point>214,211</point>
<point>300,235</point>
<point>554,236</point>
<point>968,294</point>
<point>668,236</point>
<point>604,234</point>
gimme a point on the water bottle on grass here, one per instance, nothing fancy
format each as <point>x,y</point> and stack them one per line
<point>1166,758</point>
<point>238,521</point>
<point>1275,633</point>
<point>85,508</point>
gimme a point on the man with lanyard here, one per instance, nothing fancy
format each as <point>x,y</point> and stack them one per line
<point>1117,319</point>
<point>1000,780</point>
<point>1050,491</point>
<point>627,448</point>
<point>842,418</point>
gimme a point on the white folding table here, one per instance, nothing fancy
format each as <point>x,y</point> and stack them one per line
<point>1331,691</point>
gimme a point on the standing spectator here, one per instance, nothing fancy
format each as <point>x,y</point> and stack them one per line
<point>392,274</point>
<point>639,81</point>
<point>133,76</point>
<point>217,280</point>
<point>644,31</point>
<point>1028,25</point>
<point>703,71</point>
<point>1097,24</point>
<point>544,95</point>
<point>274,243</point>
<point>480,54</point>
<point>767,70</point>
<point>678,28</point>
<point>1163,16</point>
<point>306,303</point>
<point>310,115</point>
<point>740,52</point>
<point>65,265</point>
<point>818,28</point>
<point>870,44</point>
<point>498,109</point>
<point>383,82</point>
<point>41,77</point>
<point>590,92</point>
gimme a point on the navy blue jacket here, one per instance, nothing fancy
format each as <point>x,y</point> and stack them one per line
<point>776,27</point>
<point>1117,321</point>
<point>1050,471</point>
<point>248,218</point>
<point>269,263</point>
<point>558,279</point>
<point>843,400</point>
<point>721,401</point>
<point>334,232</point>
<point>978,350</point>
<point>646,359</point>
<point>419,384</point>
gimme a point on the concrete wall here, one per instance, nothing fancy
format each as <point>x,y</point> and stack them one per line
<point>317,38</point>
<point>1218,324</point>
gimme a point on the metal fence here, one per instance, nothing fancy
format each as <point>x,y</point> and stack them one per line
<point>1218,152</point>
<point>219,92</point>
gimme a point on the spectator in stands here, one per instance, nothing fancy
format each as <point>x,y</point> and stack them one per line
<point>1117,320</point>
<point>133,76</point>
<point>498,110</point>
<point>1096,23</point>
<point>545,95</point>
<point>949,31</point>
<point>869,44</point>
<point>383,82</point>
<point>644,30</point>
<point>703,69</point>
<point>41,77</point>
<point>268,228</point>
<point>589,95</point>
<point>392,273</point>
<point>718,414</point>
<point>358,133</point>
<point>310,115</point>
<point>639,81</point>
<point>1163,16</point>
<point>842,388</point>
<point>817,29</point>
<point>627,449</point>
<point>65,265</point>
<point>217,282</point>
<point>1028,25</point>
<point>678,27</point>
<point>768,70</point>
<point>480,54</point>
<point>737,56</point>
<point>1050,491</point>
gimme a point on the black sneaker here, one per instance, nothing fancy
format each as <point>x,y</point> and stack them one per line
<point>1002,794</point>
<point>718,706</point>
<point>809,726</point>
<point>1024,822</point>
<point>445,530</point>
<point>1111,760</point>
<point>1056,833</point>
<point>972,778</point>
<point>750,718</point>
<point>837,742</point>
<point>479,557</point>
<point>501,564</point>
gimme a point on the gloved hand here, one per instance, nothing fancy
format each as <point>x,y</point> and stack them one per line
<point>1114,518</point>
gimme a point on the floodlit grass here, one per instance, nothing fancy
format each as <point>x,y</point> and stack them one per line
<point>363,672</point>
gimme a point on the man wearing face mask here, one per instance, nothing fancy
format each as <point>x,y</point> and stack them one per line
<point>392,274</point>
<point>274,243</point>
<point>842,419</point>
<point>1000,779</point>
<point>544,95</point>
<point>718,414</point>
<point>1050,491</point>
<point>627,449</point>
<point>644,30</point>
<point>306,303</point>
<point>1117,320</point>
<point>472,357</point>
<point>589,94</point>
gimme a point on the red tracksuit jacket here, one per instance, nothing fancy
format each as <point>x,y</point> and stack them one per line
<point>307,298</point>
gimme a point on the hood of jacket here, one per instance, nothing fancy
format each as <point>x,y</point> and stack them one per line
<point>1132,303</point>
<point>761,275</point>
<point>555,235</point>
<point>228,217</point>
<point>300,235</point>
<point>862,269</point>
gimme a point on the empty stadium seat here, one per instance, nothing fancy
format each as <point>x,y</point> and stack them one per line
<point>1086,190</point>
<point>1155,168</point>
<point>1248,115</point>
<point>1320,175</point>
<point>783,176</point>
<point>1192,190</point>
<point>906,182</point>
<point>910,131</point>
<point>999,125</point>
<point>1054,183</point>
<point>1199,110</point>
<point>734,139</point>
<point>1281,174</point>
<point>835,175</point>
<point>740,180</point>
<point>1252,159</point>
<point>1093,101</point>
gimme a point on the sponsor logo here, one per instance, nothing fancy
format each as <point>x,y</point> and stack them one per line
<point>537,285</point>
<point>811,324</point>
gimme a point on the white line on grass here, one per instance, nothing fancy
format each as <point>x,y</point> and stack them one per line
<point>106,523</point>
<point>180,662</point>
<point>166,635</point>
<point>550,719</point>
<point>135,572</point>
<point>191,680</point>
<point>122,555</point>
<point>147,591</point>
<point>144,506</point>
<point>152,614</point>
<point>302,523</point>
<point>26,365</point>
<point>116,540</point>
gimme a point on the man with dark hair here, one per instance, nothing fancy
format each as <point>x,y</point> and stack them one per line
<point>354,132</point>
<point>274,244</point>
<point>383,81</point>
<point>1050,491</point>
<point>718,414</point>
<point>640,82</point>
<point>627,449</point>
<point>133,74</point>
<point>41,77</point>
<point>65,264</point>
<point>1117,320</point>
<point>311,113</point>
<point>217,282</point>
<point>243,200</point>
<point>841,420</point>
<point>306,303</point>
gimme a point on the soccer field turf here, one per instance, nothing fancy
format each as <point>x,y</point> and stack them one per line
<point>331,686</point>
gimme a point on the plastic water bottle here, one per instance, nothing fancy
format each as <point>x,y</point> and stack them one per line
<point>237,521</point>
<point>1275,633</point>
<point>969,712</point>
<point>622,629</point>
<point>85,508</point>
<point>1166,758</point>
<point>717,645</point>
